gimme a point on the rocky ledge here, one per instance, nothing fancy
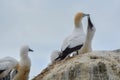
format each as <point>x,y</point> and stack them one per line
<point>96,65</point>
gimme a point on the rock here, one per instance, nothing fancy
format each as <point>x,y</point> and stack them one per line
<point>96,65</point>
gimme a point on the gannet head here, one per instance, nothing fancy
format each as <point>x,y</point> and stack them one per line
<point>90,25</point>
<point>78,18</point>
<point>25,49</point>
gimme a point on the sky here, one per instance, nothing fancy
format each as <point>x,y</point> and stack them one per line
<point>43,25</point>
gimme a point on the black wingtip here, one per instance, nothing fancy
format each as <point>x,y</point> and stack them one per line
<point>57,58</point>
<point>90,24</point>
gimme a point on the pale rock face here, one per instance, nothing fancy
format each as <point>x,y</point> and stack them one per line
<point>97,65</point>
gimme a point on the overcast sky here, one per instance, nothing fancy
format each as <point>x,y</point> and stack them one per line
<point>43,24</point>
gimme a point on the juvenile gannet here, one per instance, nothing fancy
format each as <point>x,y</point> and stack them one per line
<point>87,46</point>
<point>74,41</point>
<point>22,67</point>
<point>6,65</point>
<point>54,55</point>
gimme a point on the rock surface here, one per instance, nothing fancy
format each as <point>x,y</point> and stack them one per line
<point>96,65</point>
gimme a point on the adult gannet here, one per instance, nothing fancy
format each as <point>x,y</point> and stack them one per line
<point>22,67</point>
<point>74,41</point>
<point>87,47</point>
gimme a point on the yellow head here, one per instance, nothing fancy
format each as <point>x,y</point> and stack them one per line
<point>78,18</point>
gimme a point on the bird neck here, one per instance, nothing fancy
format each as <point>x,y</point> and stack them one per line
<point>79,28</point>
<point>88,40</point>
<point>23,55</point>
<point>24,59</point>
<point>78,25</point>
<point>87,44</point>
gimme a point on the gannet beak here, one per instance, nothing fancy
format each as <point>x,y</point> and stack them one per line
<point>30,50</point>
<point>85,14</point>
<point>90,24</point>
<point>1,71</point>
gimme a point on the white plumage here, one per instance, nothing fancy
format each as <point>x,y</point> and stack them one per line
<point>7,64</point>
<point>75,40</point>
<point>78,35</point>
<point>22,67</point>
<point>54,55</point>
<point>87,47</point>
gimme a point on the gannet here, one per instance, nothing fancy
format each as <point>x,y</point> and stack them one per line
<point>54,55</point>
<point>22,67</point>
<point>6,65</point>
<point>74,41</point>
<point>87,46</point>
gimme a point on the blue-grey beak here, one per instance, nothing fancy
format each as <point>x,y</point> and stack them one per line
<point>90,24</point>
<point>30,50</point>
<point>85,14</point>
